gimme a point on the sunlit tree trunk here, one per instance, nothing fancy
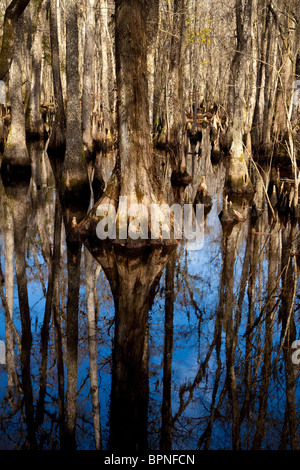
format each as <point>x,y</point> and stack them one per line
<point>88,76</point>
<point>152,29</point>
<point>238,178</point>
<point>35,126</point>
<point>16,158</point>
<point>106,74</point>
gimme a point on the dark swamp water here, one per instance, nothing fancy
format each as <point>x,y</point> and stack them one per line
<point>212,365</point>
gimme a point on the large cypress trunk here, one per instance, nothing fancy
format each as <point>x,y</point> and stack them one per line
<point>16,161</point>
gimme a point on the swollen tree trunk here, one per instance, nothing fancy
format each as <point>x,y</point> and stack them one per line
<point>16,159</point>
<point>238,178</point>
<point>132,273</point>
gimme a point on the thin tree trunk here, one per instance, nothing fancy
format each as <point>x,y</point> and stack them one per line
<point>57,141</point>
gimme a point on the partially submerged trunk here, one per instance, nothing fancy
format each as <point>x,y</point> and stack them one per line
<point>134,177</point>
<point>75,197</point>
<point>16,161</point>
<point>238,180</point>
<point>175,99</point>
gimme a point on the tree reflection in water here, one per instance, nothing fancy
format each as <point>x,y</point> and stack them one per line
<point>182,350</point>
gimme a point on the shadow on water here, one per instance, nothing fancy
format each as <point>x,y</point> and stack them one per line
<point>147,348</point>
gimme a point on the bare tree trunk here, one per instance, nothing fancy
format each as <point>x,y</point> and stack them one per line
<point>238,178</point>
<point>88,77</point>
<point>57,143</point>
<point>12,14</point>
<point>152,28</point>
<point>105,73</point>
<point>175,88</point>
<point>74,177</point>
<point>16,159</point>
<point>75,197</point>
<point>35,125</point>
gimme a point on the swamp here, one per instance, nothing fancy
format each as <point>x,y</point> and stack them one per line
<point>112,339</point>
